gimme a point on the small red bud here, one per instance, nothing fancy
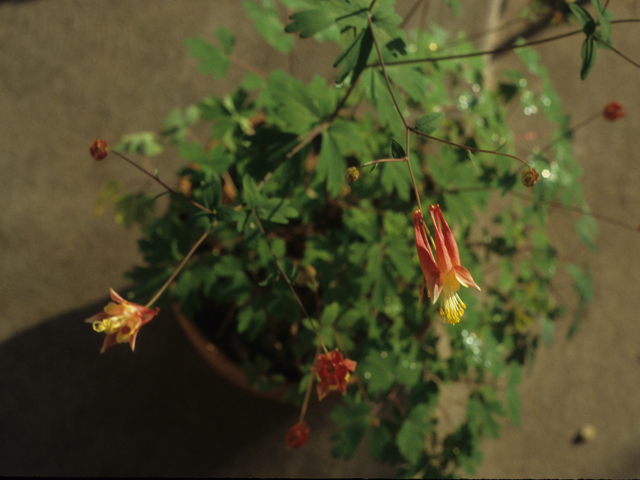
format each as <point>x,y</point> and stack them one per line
<point>298,435</point>
<point>529,177</point>
<point>613,111</point>
<point>99,149</point>
<point>352,174</point>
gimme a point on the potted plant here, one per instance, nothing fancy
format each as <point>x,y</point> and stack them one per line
<point>319,234</point>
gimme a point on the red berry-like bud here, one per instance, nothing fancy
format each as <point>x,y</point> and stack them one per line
<point>529,177</point>
<point>298,435</point>
<point>352,174</point>
<point>99,149</point>
<point>613,111</point>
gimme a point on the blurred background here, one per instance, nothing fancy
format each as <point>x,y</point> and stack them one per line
<point>72,71</point>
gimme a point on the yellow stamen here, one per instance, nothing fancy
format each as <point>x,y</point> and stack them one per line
<point>452,307</point>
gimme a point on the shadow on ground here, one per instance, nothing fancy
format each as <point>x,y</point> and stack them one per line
<point>69,411</point>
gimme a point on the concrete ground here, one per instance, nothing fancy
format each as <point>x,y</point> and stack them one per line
<point>72,71</point>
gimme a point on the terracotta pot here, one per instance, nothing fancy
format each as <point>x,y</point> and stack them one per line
<point>220,362</point>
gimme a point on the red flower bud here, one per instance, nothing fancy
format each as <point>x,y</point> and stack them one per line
<point>613,111</point>
<point>352,174</point>
<point>99,149</point>
<point>298,435</point>
<point>529,177</point>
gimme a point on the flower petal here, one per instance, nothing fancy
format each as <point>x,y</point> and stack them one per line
<point>464,277</point>
<point>430,270</point>
<point>446,246</point>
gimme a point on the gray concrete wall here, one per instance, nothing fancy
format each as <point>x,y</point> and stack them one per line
<point>72,71</point>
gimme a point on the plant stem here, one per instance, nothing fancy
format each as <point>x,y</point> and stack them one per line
<point>286,279</point>
<point>167,187</point>
<point>453,144</point>
<point>307,395</point>
<point>181,266</point>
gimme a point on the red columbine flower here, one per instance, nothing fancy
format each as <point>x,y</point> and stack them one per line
<point>613,111</point>
<point>445,277</point>
<point>333,372</point>
<point>121,321</point>
<point>298,435</point>
<point>99,149</point>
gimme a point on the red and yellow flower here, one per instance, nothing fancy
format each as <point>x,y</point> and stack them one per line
<point>121,321</point>
<point>333,372</point>
<point>444,277</point>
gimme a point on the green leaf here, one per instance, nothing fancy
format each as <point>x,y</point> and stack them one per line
<point>211,58</point>
<point>587,229</point>
<point>379,441</point>
<point>266,20</point>
<point>430,123</point>
<point>277,210</point>
<point>227,39</point>
<point>588,54</point>
<point>355,57</point>
<point>250,192</point>
<point>331,164</point>
<point>353,420</point>
<point>144,143</point>
<point>309,22</point>
<point>512,397</point>
<point>410,438</point>
<point>396,150</point>
<point>587,22</point>
<point>455,6</point>
<point>377,370</point>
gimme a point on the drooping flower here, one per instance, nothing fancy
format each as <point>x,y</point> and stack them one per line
<point>613,111</point>
<point>444,277</point>
<point>99,149</point>
<point>298,435</point>
<point>121,321</point>
<point>333,372</point>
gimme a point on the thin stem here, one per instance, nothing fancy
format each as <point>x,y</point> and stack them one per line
<point>571,131</point>
<point>286,279</point>
<point>383,160</point>
<point>413,178</point>
<point>479,54</point>
<point>384,72</point>
<point>307,395</point>
<point>248,67</point>
<point>167,187</point>
<point>599,216</point>
<point>616,51</point>
<point>181,266</point>
<point>492,152</point>
<point>500,49</point>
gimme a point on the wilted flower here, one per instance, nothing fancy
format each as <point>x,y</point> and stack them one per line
<point>121,321</point>
<point>333,372</point>
<point>613,111</point>
<point>99,149</point>
<point>445,277</point>
<point>298,435</point>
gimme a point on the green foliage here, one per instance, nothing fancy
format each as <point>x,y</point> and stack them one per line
<point>279,148</point>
